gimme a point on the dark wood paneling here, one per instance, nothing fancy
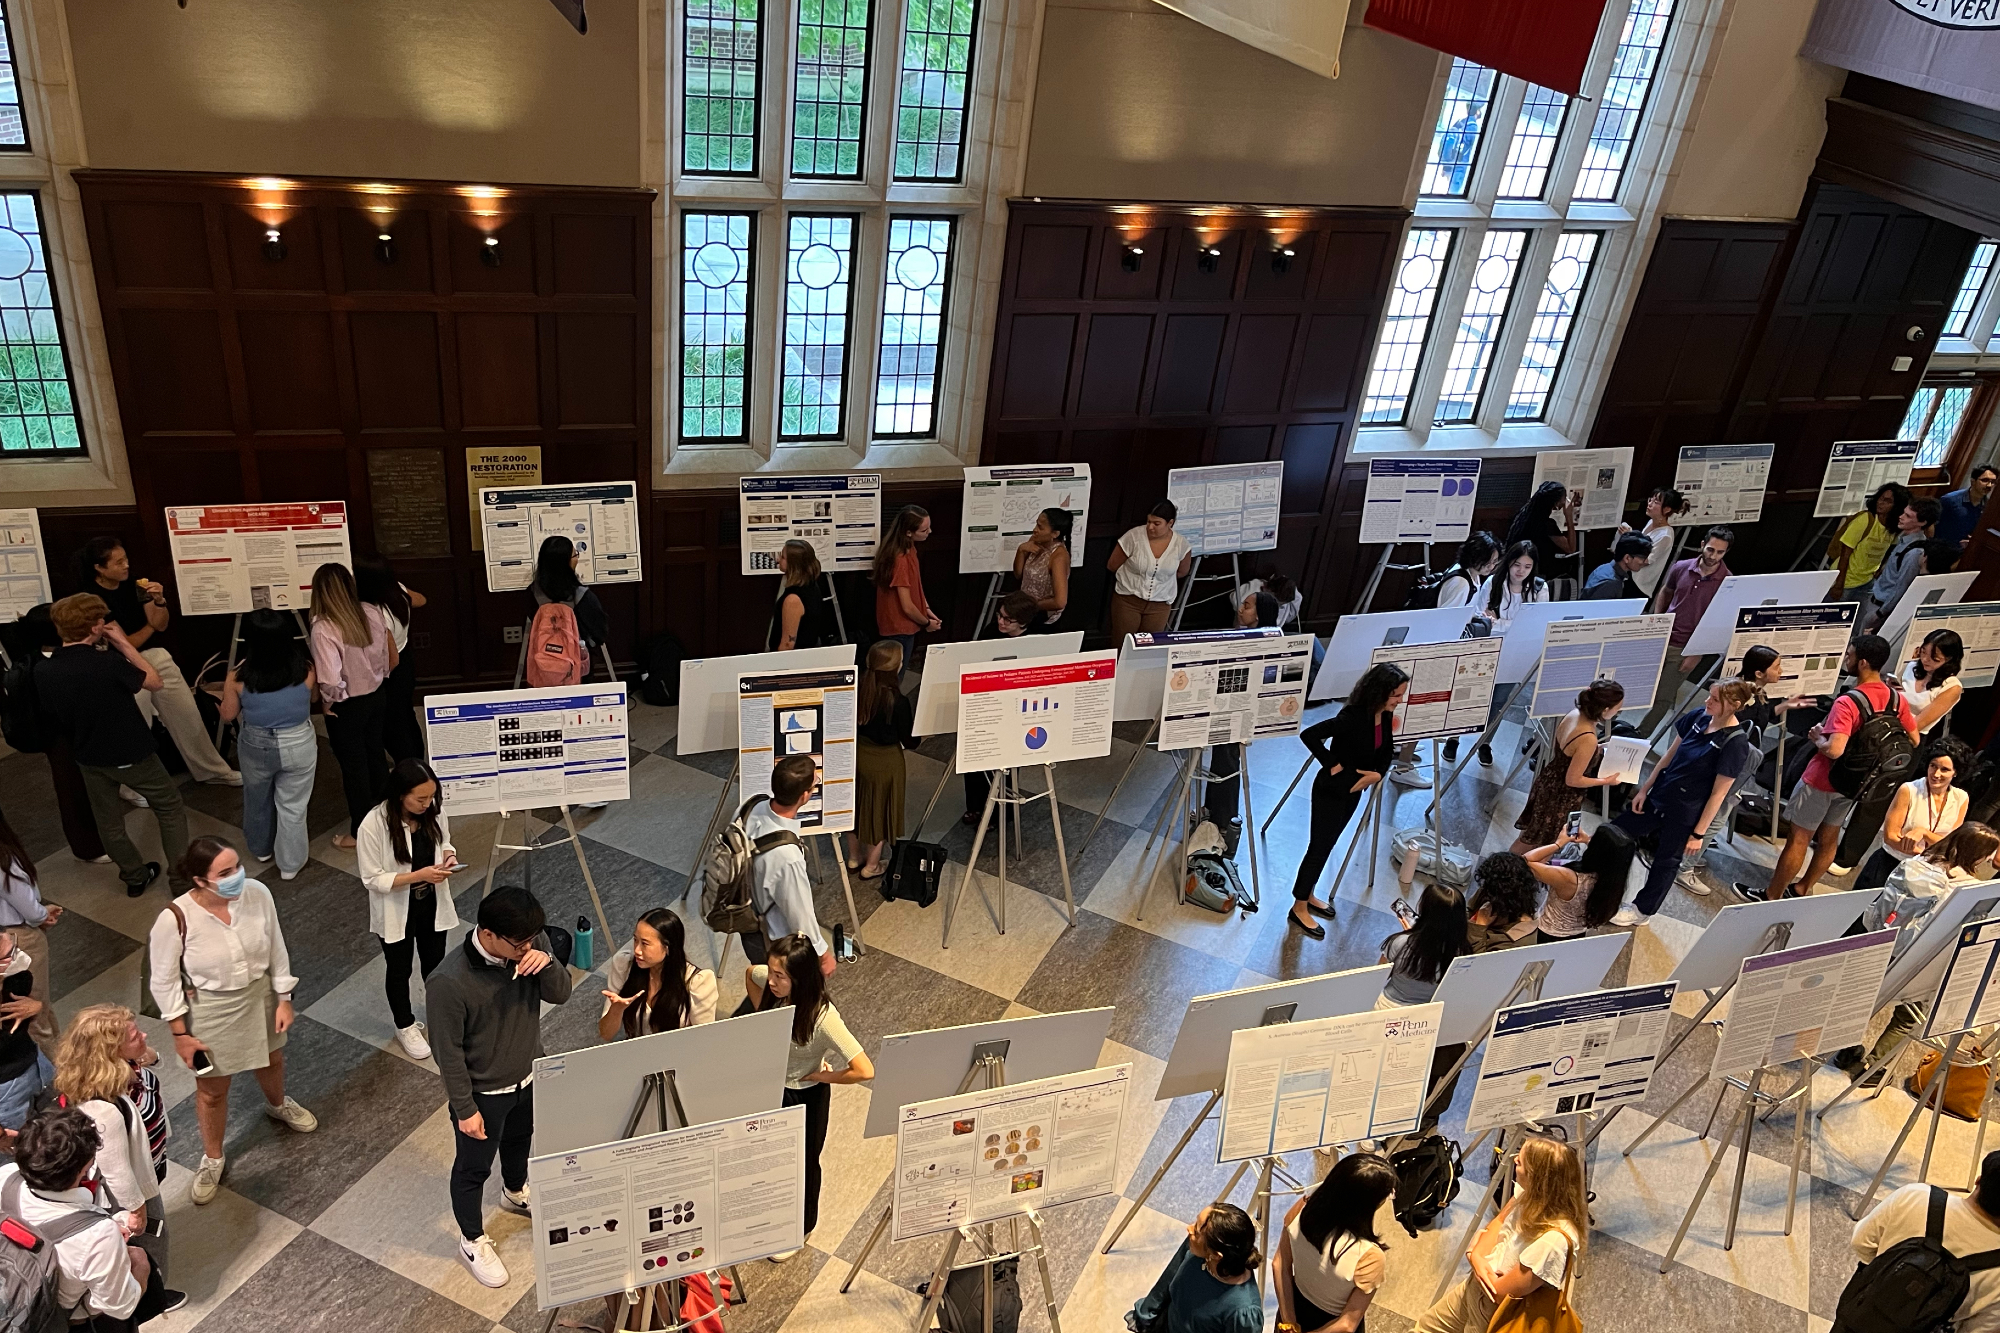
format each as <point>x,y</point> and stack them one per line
<point>1928,152</point>
<point>396,369</point>
<point>288,369</point>
<point>1114,365</point>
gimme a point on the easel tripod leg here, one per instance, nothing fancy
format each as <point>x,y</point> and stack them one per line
<point>576,845</point>
<point>1062,855</point>
<point>1487,1197</point>
<point>847,888</point>
<point>1042,1263</point>
<point>1801,1117</point>
<point>964,880</point>
<point>1104,810</point>
<point>1661,1118</point>
<point>1748,1119</point>
<point>1708,1178</point>
<point>1296,779</point>
<point>862,1258</point>
<point>1173,1156</point>
<point>938,1276</point>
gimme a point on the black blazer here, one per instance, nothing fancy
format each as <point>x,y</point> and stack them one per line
<point>1352,740</point>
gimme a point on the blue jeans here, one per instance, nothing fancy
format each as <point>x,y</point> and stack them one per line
<point>278,768</point>
<point>18,1094</point>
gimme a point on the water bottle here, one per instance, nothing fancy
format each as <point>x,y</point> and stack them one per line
<point>585,951</point>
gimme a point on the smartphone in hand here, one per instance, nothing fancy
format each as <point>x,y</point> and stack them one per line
<point>202,1063</point>
<point>1575,825</point>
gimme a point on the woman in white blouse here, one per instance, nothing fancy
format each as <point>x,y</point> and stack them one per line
<point>406,860</point>
<point>1921,814</point>
<point>1499,598</point>
<point>1147,566</point>
<point>650,984</point>
<point>1661,506</point>
<point>222,978</point>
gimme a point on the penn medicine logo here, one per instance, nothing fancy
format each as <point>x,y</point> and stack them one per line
<point>1969,14</point>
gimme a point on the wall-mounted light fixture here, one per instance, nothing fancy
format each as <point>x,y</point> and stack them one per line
<point>1208,259</point>
<point>274,245</point>
<point>385,247</point>
<point>1281,259</point>
<point>489,252</point>
<point>1131,259</point>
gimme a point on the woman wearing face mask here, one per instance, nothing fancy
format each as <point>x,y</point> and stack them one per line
<point>1041,563</point>
<point>651,986</point>
<point>405,861</point>
<point>222,978</point>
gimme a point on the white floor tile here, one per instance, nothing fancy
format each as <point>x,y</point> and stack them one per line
<point>869,1306</point>
<point>979,954</point>
<point>216,1248</point>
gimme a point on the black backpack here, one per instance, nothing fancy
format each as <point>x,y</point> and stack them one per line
<point>29,1302</point>
<point>26,727</point>
<point>914,871</point>
<point>1914,1286</point>
<point>1879,756</point>
<point>660,670</point>
<point>1424,592</point>
<point>1427,1177</point>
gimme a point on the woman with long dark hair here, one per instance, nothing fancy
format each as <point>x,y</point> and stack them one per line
<point>1930,682</point>
<point>556,581</point>
<point>1418,957</point>
<point>1353,749</point>
<point>271,691</point>
<point>886,718</point>
<point>651,985</point>
<point>25,916</point>
<point>1146,568</point>
<point>1922,813</point>
<point>1513,585</point>
<point>1585,888</point>
<point>901,610</point>
<point>353,657</point>
<point>1041,564</point>
<point>1863,540</point>
<point>1535,523</point>
<point>375,580</point>
<point>406,861</point>
<point>1329,1262</point>
<point>1502,907</point>
<point>1569,773</point>
<point>1210,1285</point>
<point>1661,507</point>
<point>801,618</point>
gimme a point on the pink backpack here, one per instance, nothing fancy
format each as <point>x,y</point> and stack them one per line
<point>555,653</point>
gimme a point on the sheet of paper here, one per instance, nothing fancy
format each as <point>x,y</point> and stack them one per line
<point>601,519</point>
<point>1967,998</point>
<point>1225,690</point>
<point>1451,685</point>
<point>1000,505</point>
<point>1624,758</point>
<point>1043,710</point>
<point>234,559</point>
<point>1724,483</point>
<point>1598,478</point>
<point>1856,469</point>
<point>1627,649</point>
<point>519,749</point>
<point>1810,641</point>
<point>1229,507</point>
<point>1419,500</point>
<point>840,516</point>
<point>801,712</point>
<point>1327,1080</point>
<point>24,568</point>
<point>1802,1002</point>
<point>1580,1053</point>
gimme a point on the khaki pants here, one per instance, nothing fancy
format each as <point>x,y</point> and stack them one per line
<point>31,941</point>
<point>1466,1308</point>
<point>174,705</point>
<point>1130,615</point>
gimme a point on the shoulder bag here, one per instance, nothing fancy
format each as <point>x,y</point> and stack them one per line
<point>1545,1310</point>
<point>148,1006</point>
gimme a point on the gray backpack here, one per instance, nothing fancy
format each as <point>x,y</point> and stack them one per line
<point>727,902</point>
<point>28,1270</point>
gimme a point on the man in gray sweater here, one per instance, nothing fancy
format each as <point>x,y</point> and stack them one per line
<point>485,1011</point>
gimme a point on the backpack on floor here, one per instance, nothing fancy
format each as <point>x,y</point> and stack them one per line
<point>727,904</point>
<point>1212,882</point>
<point>1914,1286</point>
<point>914,871</point>
<point>29,1302</point>
<point>26,727</point>
<point>1879,757</point>
<point>660,670</point>
<point>1427,1177</point>
<point>555,650</point>
<point>962,1308</point>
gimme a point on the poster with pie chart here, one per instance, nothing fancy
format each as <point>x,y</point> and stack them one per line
<point>1042,711</point>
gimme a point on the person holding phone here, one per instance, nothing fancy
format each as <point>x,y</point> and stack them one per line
<point>406,862</point>
<point>1585,875</point>
<point>222,978</point>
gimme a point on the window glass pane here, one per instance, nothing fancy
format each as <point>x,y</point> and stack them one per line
<point>37,400</point>
<point>1406,325</point>
<point>1624,103</point>
<point>832,88</point>
<point>1468,96</point>
<point>819,257</point>
<point>721,42</point>
<point>937,71</point>
<point>1555,313</point>
<point>13,130</point>
<point>1479,327</point>
<point>913,313</point>
<point>1950,414</point>
<point>1533,147</point>
<point>715,324</point>
<point>1920,412</point>
<point>1976,274</point>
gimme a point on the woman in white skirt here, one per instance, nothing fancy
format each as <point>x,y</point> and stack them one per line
<point>406,861</point>
<point>223,980</point>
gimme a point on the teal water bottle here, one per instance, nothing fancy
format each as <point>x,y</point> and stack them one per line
<point>585,951</point>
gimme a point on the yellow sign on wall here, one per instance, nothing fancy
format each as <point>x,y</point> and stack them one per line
<point>498,465</point>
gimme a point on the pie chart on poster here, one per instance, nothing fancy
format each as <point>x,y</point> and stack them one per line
<point>1037,737</point>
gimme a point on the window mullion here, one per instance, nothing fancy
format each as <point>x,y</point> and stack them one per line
<point>1583,114</point>
<point>864,333</point>
<point>1537,255</point>
<point>1502,116</point>
<point>777,80</point>
<point>1985,312</point>
<point>1450,311</point>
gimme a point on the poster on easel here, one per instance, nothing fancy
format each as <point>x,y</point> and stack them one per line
<point>1419,500</point>
<point>1627,649</point>
<point>1229,507</point>
<point>1976,623</point>
<point>1802,1002</point>
<point>1238,689</point>
<point>1579,1053</point>
<point>24,567</point>
<point>1326,1081</point>
<point>528,749</point>
<point>801,712</point>
<point>1967,998</point>
<point>1856,469</point>
<point>1598,477</point>
<point>1723,483</point>
<point>986,1156</point>
<point>840,516</point>
<point>1809,641</point>
<point>1451,686</point>
<point>1002,503</point>
<point>235,559</point>
<point>601,520</point>
<point>1041,711</point>
<point>622,1216</point>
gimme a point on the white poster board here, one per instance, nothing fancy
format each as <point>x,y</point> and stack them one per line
<point>937,692</point>
<point>1805,587</point>
<point>924,1066</point>
<point>1199,1061</point>
<point>1739,930</point>
<point>1326,1081</point>
<point>1810,641</point>
<point>1240,689</point>
<point>1419,500</point>
<point>985,1156</point>
<point>1451,686</point>
<point>527,749</point>
<point>24,567</point>
<point>624,1214</point>
<point>710,686</point>
<point>1350,648</point>
<point>1526,637</point>
<point>1230,507</point>
<point>1627,649</point>
<point>1926,590</point>
<point>1142,667</point>
<point>1579,1053</point>
<point>235,559</point>
<point>1856,469</point>
<point>1599,477</point>
<point>600,518</point>
<point>1046,711</point>
<point>1969,999</point>
<point>1802,1002</point>
<point>840,516</point>
<point>1977,623</point>
<point>1476,984</point>
<point>801,712</point>
<point>1723,483</point>
<point>1924,947</point>
<point>1002,503</point>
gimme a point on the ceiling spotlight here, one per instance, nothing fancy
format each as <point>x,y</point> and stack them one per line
<point>1129,261</point>
<point>1281,259</point>
<point>1208,259</point>
<point>274,245</point>
<point>489,253</point>
<point>385,247</point>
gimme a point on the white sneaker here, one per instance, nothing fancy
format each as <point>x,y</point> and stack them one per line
<point>516,1201</point>
<point>411,1039</point>
<point>1693,883</point>
<point>1631,916</point>
<point>1408,775</point>
<point>1840,870</point>
<point>207,1179</point>
<point>288,874</point>
<point>783,1255</point>
<point>260,858</point>
<point>293,1116</point>
<point>132,797</point>
<point>104,860</point>
<point>230,779</point>
<point>483,1261</point>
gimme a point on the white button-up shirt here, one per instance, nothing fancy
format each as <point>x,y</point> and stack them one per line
<point>220,957</point>
<point>92,1265</point>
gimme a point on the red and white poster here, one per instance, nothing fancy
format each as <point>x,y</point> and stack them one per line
<point>229,559</point>
<point>1037,712</point>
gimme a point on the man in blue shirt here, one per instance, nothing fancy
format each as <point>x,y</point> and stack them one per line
<point>1963,507</point>
<point>1612,579</point>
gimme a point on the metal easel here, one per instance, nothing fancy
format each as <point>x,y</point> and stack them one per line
<point>1181,809</point>
<point>1004,794</point>
<point>236,640</point>
<point>1186,598</point>
<point>528,850</point>
<point>1152,729</point>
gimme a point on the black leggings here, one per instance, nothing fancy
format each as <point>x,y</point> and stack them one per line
<point>354,730</point>
<point>420,939</point>
<point>817,1098</point>
<point>401,735</point>
<point>1332,806</point>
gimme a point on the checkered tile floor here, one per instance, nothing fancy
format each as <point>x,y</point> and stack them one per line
<point>349,1228</point>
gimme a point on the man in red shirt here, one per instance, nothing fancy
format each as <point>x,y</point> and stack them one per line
<point>1818,812</point>
<point>1686,591</point>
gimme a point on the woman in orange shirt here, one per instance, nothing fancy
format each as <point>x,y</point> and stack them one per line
<point>900,609</point>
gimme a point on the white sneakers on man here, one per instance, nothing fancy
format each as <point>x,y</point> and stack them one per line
<point>483,1261</point>
<point>207,1179</point>
<point>1630,915</point>
<point>516,1201</point>
<point>411,1039</point>
<point>292,1116</point>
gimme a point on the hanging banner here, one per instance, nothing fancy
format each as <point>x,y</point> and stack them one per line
<point>1307,35</point>
<point>1543,41</point>
<point>1950,47</point>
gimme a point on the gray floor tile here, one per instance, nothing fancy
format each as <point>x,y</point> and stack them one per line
<point>79,949</point>
<point>324,913</point>
<point>31,805</point>
<point>1618,1279</point>
<point>315,1284</point>
<point>1099,961</point>
<point>881,994</point>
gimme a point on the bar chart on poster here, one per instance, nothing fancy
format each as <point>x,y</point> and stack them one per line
<point>528,749</point>
<point>234,559</point>
<point>1230,507</point>
<point>781,714</point>
<point>1043,711</point>
<point>600,520</point>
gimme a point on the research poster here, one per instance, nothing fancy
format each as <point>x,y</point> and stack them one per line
<point>1723,483</point>
<point>24,568</point>
<point>601,519</point>
<point>1562,1057</point>
<point>498,465</point>
<point>839,516</point>
<point>781,714</point>
<point>1802,1002</point>
<point>1627,649</point>
<point>1968,998</point>
<point>1598,478</point>
<point>1232,507</point>
<point>1419,500</point>
<point>1451,685</point>
<point>1856,469</point>
<point>1238,689</point>
<point>1040,711</point>
<point>527,749</point>
<point>1326,1081</point>
<point>638,1211</point>
<point>234,559</point>
<point>985,1156</point>
<point>1002,503</point>
<point>1810,641</point>
<point>1977,623</point>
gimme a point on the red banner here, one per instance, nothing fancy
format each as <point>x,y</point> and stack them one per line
<point>1543,41</point>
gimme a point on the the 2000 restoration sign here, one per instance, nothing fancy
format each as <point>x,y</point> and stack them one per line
<point>1950,47</point>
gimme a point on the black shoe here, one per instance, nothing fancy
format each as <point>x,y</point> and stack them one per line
<point>1625,729</point>
<point>969,817</point>
<point>1326,913</point>
<point>1486,755</point>
<point>152,873</point>
<point>1749,893</point>
<point>1874,1080</point>
<point>1849,1058</point>
<point>174,1300</point>
<point>1451,749</point>
<point>1310,932</point>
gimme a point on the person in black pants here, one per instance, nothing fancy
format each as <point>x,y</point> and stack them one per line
<point>1259,610</point>
<point>1017,616</point>
<point>353,656</point>
<point>1353,749</point>
<point>376,583</point>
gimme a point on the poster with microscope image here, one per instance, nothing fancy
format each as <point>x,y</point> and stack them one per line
<point>786,713</point>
